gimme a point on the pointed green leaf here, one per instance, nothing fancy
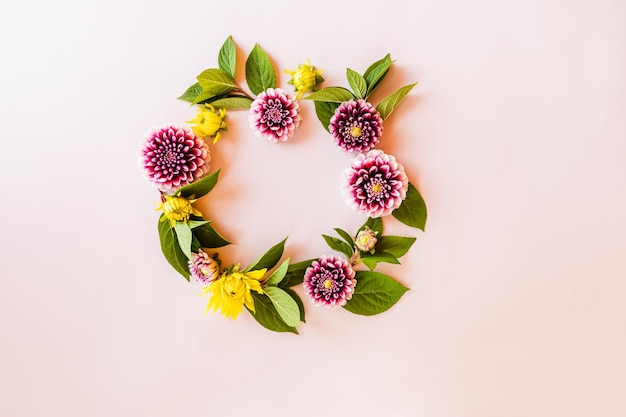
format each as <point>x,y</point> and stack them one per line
<point>269,259</point>
<point>331,95</point>
<point>376,224</point>
<point>357,83</point>
<point>232,103</point>
<point>380,257</point>
<point>183,234</point>
<point>376,72</point>
<point>374,293</point>
<point>278,275</point>
<point>338,245</point>
<point>227,57</point>
<point>205,97</point>
<point>208,237</point>
<point>171,249</point>
<point>215,81</point>
<point>266,315</point>
<point>295,274</point>
<point>389,103</point>
<point>370,263</point>
<point>395,245</point>
<point>260,73</point>
<point>196,223</point>
<point>286,307</point>
<point>191,93</point>
<point>298,301</point>
<point>345,236</point>
<point>412,211</point>
<point>201,187</point>
<point>325,111</point>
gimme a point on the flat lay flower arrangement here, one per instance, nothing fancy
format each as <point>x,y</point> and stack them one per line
<point>175,159</point>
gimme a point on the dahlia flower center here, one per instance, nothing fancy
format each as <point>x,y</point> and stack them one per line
<point>356,131</point>
<point>177,208</point>
<point>274,113</point>
<point>328,284</point>
<point>170,157</point>
<point>376,188</point>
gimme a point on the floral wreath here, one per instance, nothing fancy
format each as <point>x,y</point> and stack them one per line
<point>175,159</point>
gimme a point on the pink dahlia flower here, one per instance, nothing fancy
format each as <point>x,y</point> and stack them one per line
<point>375,184</point>
<point>356,126</point>
<point>329,281</point>
<point>274,116</point>
<point>203,268</point>
<point>173,157</point>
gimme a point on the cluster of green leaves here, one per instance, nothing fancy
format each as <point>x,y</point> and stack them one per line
<point>279,308</point>
<point>374,292</point>
<point>178,242</point>
<point>362,86</point>
<point>217,86</point>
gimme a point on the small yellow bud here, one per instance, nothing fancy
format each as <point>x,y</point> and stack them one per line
<point>209,122</point>
<point>305,78</point>
<point>177,209</point>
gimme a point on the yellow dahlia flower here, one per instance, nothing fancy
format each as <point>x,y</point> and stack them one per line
<point>305,78</point>
<point>177,209</point>
<point>209,122</point>
<point>231,291</point>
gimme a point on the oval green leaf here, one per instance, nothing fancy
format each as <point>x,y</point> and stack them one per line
<point>208,237</point>
<point>232,103</point>
<point>278,275</point>
<point>357,83</point>
<point>269,259</point>
<point>216,82</point>
<point>266,315</point>
<point>171,249</point>
<point>338,245</point>
<point>260,73</point>
<point>395,245</point>
<point>191,93</point>
<point>412,211</point>
<point>331,95</point>
<point>286,307</point>
<point>227,57</point>
<point>374,293</point>
<point>389,103</point>
<point>324,112</point>
<point>200,187</point>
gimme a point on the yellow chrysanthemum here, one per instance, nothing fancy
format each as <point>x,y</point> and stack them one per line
<point>209,122</point>
<point>305,78</point>
<point>231,291</point>
<point>177,209</point>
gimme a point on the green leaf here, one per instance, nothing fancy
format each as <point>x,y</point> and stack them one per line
<point>380,257</point>
<point>260,73</point>
<point>376,73</point>
<point>205,97</point>
<point>215,81</point>
<point>286,307</point>
<point>171,249</point>
<point>227,57</point>
<point>267,316</point>
<point>345,236</point>
<point>269,259</point>
<point>395,245</point>
<point>412,211</point>
<point>208,237</point>
<point>331,95</point>
<point>196,223</point>
<point>298,301</point>
<point>376,224</point>
<point>374,293</point>
<point>325,111</point>
<point>357,83</point>
<point>200,187</point>
<point>232,103</point>
<point>191,93</point>
<point>389,103</point>
<point>183,233</point>
<point>295,274</point>
<point>278,275</point>
<point>370,263</point>
<point>338,245</point>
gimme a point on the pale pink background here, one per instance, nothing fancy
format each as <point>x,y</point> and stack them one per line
<point>516,136</point>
